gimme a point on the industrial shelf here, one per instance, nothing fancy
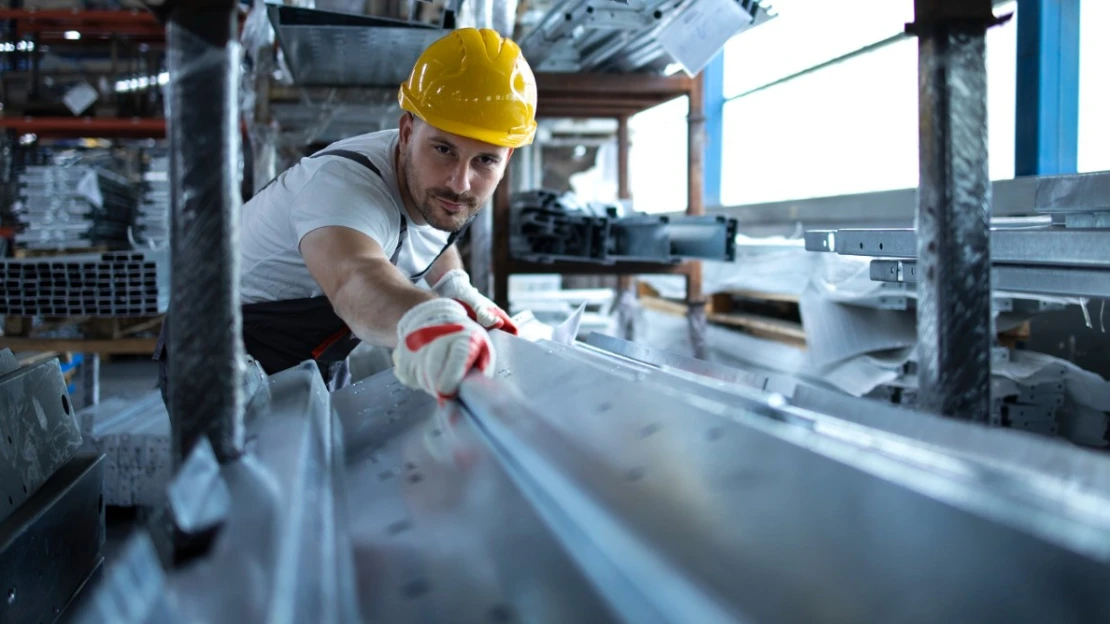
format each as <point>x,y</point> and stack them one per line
<point>74,127</point>
<point>53,25</point>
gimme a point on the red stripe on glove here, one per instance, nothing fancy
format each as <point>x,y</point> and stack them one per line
<point>422,337</point>
<point>506,324</point>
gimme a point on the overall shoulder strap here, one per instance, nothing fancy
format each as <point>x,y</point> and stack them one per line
<point>365,161</point>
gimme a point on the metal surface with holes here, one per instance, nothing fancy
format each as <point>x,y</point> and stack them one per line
<point>52,544</point>
<point>645,483</point>
<point>38,431</point>
<point>1011,278</point>
<point>284,526</point>
<point>1040,246</point>
<point>439,532</point>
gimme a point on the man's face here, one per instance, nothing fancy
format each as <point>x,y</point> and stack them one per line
<point>448,177</point>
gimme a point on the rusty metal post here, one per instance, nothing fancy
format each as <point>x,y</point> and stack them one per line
<point>955,326</point>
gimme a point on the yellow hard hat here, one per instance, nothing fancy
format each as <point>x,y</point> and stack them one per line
<point>476,84</point>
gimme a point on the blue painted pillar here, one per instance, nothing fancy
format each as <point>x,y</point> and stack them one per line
<point>1047,139</point>
<point>714,76</point>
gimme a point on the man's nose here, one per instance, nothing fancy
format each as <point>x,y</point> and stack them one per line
<point>459,180</point>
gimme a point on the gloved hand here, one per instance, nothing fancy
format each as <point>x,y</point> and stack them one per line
<point>437,345</point>
<point>456,285</point>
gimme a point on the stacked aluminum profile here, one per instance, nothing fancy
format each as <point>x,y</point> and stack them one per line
<point>626,36</point>
<point>152,223</point>
<point>112,284</point>
<point>134,437</point>
<point>548,227</point>
<point>62,207</point>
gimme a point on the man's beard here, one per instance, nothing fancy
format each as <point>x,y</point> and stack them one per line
<point>433,212</point>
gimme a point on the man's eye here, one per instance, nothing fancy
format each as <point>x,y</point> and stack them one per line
<point>442,149</point>
<point>489,162</point>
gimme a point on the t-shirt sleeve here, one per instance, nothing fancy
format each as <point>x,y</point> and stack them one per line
<point>338,194</point>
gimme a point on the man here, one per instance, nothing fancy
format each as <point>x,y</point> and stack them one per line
<point>332,249</point>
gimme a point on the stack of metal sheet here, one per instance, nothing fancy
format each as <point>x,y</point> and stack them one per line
<point>152,223</point>
<point>635,36</point>
<point>134,437</point>
<point>111,284</point>
<point>64,207</point>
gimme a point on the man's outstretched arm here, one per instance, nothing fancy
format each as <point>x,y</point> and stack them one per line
<point>435,344</point>
<point>367,292</point>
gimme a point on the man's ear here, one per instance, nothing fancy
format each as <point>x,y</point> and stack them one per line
<point>405,125</point>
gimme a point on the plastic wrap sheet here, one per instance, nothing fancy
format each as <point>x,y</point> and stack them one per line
<point>206,359</point>
<point>258,66</point>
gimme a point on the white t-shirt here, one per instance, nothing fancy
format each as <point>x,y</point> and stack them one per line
<point>327,191</point>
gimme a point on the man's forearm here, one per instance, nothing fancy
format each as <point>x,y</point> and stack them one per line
<point>448,261</point>
<point>374,299</point>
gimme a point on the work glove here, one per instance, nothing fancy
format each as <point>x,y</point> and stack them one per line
<point>437,345</point>
<point>456,285</point>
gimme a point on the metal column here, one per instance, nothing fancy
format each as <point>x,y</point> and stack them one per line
<point>695,129</point>
<point>954,323</point>
<point>205,342</point>
<point>1047,139</point>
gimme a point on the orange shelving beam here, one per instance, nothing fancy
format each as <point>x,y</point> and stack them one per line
<point>91,127</point>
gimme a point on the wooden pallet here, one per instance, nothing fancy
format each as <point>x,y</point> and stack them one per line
<point>785,331</point>
<point>97,328</point>
<point>49,253</point>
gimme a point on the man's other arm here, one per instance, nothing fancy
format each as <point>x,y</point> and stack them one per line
<point>366,291</point>
<point>449,260</point>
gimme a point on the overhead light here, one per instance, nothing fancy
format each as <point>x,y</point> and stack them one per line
<point>164,78</point>
<point>72,35</point>
<point>28,139</point>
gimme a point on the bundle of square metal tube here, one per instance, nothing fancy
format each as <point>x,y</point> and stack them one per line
<point>133,434</point>
<point>132,283</point>
<point>549,226</point>
<point>152,223</point>
<point>63,207</point>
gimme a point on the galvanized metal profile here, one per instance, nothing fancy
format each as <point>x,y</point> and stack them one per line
<point>617,513</point>
<point>1025,196</point>
<point>38,431</point>
<point>1033,246</point>
<point>284,524</point>
<point>1014,278</point>
<point>51,546</point>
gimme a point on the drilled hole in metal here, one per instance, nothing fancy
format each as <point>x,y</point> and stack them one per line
<point>500,613</point>
<point>635,474</point>
<point>65,404</point>
<point>416,477</point>
<point>385,475</point>
<point>399,527</point>
<point>650,430</point>
<point>415,589</point>
<point>716,433</point>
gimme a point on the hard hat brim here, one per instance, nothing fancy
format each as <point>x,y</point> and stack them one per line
<point>500,138</point>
